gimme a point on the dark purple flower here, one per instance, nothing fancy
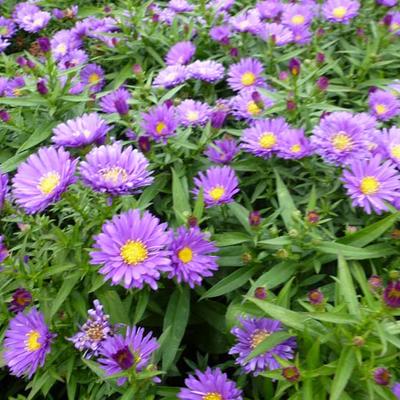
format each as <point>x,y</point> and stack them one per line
<point>391,294</point>
<point>222,151</point>
<point>260,293</point>
<point>320,58</point>
<point>42,87</point>
<point>255,218</point>
<point>4,116</point>
<point>21,299</point>
<point>3,250</point>
<point>322,83</point>
<point>294,66</point>
<point>382,376</point>
<point>116,102</point>
<point>144,144</point>
<point>315,297</point>
<point>375,282</point>
<point>3,189</point>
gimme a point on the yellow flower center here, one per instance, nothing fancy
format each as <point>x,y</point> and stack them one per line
<point>160,127</point>
<point>94,78</point>
<point>296,148</point>
<point>395,151</point>
<point>380,109</point>
<point>217,192</point>
<point>252,108</point>
<point>3,30</point>
<point>192,116</point>
<point>339,12</point>
<point>134,252</point>
<point>341,141</point>
<point>49,182</point>
<point>114,174</point>
<point>212,396</point>
<point>248,79</point>
<point>268,140</point>
<point>298,20</point>
<point>185,255</point>
<point>395,26</point>
<point>32,341</point>
<point>61,48</point>
<point>17,92</point>
<point>95,332</point>
<point>394,293</point>
<point>258,336</point>
<point>369,185</point>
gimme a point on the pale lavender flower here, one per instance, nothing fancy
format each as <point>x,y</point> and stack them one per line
<point>193,113</point>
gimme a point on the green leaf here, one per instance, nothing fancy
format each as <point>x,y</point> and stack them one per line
<point>334,318</point>
<point>65,289</point>
<point>180,198</point>
<point>276,275</point>
<point>286,203</point>
<point>176,319</point>
<point>113,305</point>
<point>38,136</point>
<point>344,370</point>
<point>129,393</point>
<point>230,283</point>
<point>242,214</point>
<point>230,238</point>
<point>346,287</point>
<point>199,205</point>
<point>141,305</point>
<point>268,343</point>
<point>356,253</point>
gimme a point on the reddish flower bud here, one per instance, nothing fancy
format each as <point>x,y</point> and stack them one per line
<point>320,58</point>
<point>322,83</point>
<point>315,297</point>
<point>234,52</point>
<point>294,66</point>
<point>260,293</point>
<point>255,218</point>
<point>382,376</point>
<point>144,144</point>
<point>313,217</point>
<point>291,374</point>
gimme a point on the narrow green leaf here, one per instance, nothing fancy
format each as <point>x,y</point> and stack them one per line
<point>286,203</point>
<point>230,238</point>
<point>242,215</point>
<point>276,275</point>
<point>63,293</point>
<point>268,343</point>
<point>142,302</point>
<point>199,205</point>
<point>180,197</point>
<point>38,136</point>
<point>346,287</point>
<point>334,318</point>
<point>356,253</point>
<point>344,370</point>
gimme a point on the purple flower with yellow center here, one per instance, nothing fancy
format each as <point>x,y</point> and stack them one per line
<point>250,104</point>
<point>340,10</point>
<point>27,343</point>
<point>390,144</point>
<point>391,294</point>
<point>222,151</point>
<point>302,35</point>
<point>219,185</point>
<point>384,105</point>
<point>160,122</point>
<point>121,353</point>
<point>132,249</point>
<point>279,34</point>
<point>93,332</point>
<point>116,102</point>
<point>3,250</point>
<point>209,385</point>
<point>297,16</point>
<point>246,74</point>
<point>14,87</point>
<point>382,376</point>
<point>396,390</point>
<point>3,189</point>
<point>7,28</point>
<point>180,53</point>
<point>73,59</point>
<point>340,137</point>
<point>93,76</point>
<point>21,299</point>
<point>269,9</point>
<point>192,256</point>
<point>248,21</point>
<point>81,131</point>
<point>394,24</point>
<point>30,18</point>
<point>253,332</point>
<point>263,138</point>
<point>193,113</point>
<point>208,71</point>
<point>43,178</point>
<point>171,76</point>
<point>63,43</point>
<point>114,170</point>
<point>294,144</point>
<point>370,184</point>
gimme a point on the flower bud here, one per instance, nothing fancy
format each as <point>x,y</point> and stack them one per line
<point>294,66</point>
<point>382,376</point>
<point>315,297</point>
<point>322,83</point>
<point>254,218</point>
<point>44,44</point>
<point>291,374</point>
<point>313,217</point>
<point>41,87</point>
<point>260,293</point>
<point>320,58</point>
<point>358,341</point>
<point>144,144</point>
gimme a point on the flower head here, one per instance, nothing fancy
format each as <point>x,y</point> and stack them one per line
<point>160,122</point>
<point>391,294</point>
<point>383,105</point>
<point>30,18</point>
<point>208,71</point>
<point>294,145</point>
<point>396,390</point>
<point>171,76</point>
<point>132,249</point>
<point>193,113</point>
<point>253,332</point>
<point>134,350</point>
<point>93,76</point>
<point>297,15</point>
<point>43,178</point>
<point>222,151</point>
<point>209,385</point>
<point>269,9</point>
<point>21,299</point>
<point>192,256</point>
<point>279,34</point>
<point>370,184</point>
<point>27,342</point>
<point>3,189</point>
<point>244,105</point>
<point>7,28</point>
<point>340,10</point>
<point>219,185</point>
<point>221,34</point>
<point>382,376</point>
<point>64,42</point>
<point>81,131</point>
<point>246,74</point>
<point>116,102</point>
<point>180,53</point>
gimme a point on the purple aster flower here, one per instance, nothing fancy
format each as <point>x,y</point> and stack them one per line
<point>193,113</point>
<point>3,189</point>
<point>81,131</point>
<point>63,42</point>
<point>191,255</point>
<point>253,332</point>
<point>221,5</point>
<point>222,151</point>
<point>135,350</point>
<point>209,385</point>
<point>116,102</point>
<point>269,9</point>
<point>297,15</point>
<point>246,74</point>
<point>396,390</point>
<point>93,332</point>
<point>219,185</point>
<point>3,250</point>
<point>30,18</point>
<point>171,76</point>
<point>370,183</point>
<point>279,34</point>
<point>302,35</point>
<point>132,249</point>
<point>180,53</point>
<point>340,10</point>
<point>93,76</point>
<point>160,122</point>
<point>14,86</point>
<point>43,178</point>
<point>248,21</point>
<point>393,19</point>
<point>293,144</point>
<point>4,43</point>
<point>114,170</point>
<point>382,376</point>
<point>390,144</point>
<point>340,137</point>
<point>180,6</point>
<point>209,71</point>
<point>221,34</point>
<point>73,59</point>
<point>21,299</point>
<point>383,105</point>
<point>245,106</point>
<point>7,28</point>
<point>27,342</point>
<point>263,138</point>
<point>391,294</point>
<point>387,3</point>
